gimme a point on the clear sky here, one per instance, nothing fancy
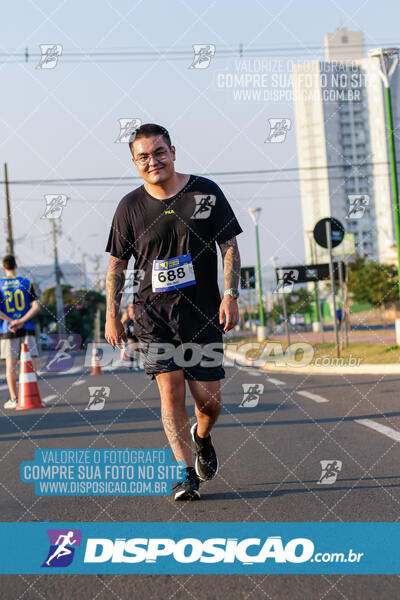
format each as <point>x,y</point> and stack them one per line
<point>62,122</point>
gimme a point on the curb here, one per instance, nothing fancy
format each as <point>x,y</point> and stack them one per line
<point>363,369</point>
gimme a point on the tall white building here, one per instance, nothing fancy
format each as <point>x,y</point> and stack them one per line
<point>342,144</point>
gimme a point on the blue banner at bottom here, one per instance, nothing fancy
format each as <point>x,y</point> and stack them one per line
<point>209,548</point>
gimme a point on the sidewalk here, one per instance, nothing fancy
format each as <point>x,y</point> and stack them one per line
<point>375,338</point>
<point>362,369</point>
<point>378,336</point>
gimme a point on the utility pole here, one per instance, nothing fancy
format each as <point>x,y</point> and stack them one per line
<point>83,272</point>
<point>261,330</point>
<point>97,262</point>
<point>57,271</point>
<point>10,239</point>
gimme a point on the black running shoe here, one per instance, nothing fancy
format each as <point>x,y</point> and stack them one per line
<point>206,464</point>
<point>188,489</point>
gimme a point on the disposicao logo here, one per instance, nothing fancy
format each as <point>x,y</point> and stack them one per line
<point>191,550</point>
<point>62,547</point>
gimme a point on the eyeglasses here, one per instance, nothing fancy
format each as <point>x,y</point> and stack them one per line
<point>159,155</point>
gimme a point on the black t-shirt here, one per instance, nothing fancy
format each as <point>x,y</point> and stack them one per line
<point>193,221</point>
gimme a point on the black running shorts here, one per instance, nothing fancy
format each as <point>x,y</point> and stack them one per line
<point>199,361</point>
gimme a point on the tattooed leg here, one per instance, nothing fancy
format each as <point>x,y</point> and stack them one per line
<point>174,415</point>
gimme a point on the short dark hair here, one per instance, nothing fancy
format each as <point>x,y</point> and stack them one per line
<point>149,130</point>
<point>9,262</point>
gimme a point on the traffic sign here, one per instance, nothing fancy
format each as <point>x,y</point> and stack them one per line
<point>306,273</point>
<point>248,278</point>
<point>337,232</point>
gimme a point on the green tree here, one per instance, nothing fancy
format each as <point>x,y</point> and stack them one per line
<point>370,281</point>
<point>297,303</point>
<point>80,307</point>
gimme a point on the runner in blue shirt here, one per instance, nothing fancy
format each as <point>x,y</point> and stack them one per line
<point>18,305</point>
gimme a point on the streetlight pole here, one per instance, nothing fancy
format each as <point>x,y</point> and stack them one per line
<point>388,61</point>
<point>261,330</point>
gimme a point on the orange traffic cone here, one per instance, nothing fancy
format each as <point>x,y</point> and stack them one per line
<point>96,368</point>
<point>28,388</point>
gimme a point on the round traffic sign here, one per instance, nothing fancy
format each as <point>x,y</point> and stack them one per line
<point>337,232</point>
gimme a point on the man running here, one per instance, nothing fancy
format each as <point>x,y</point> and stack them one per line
<point>18,305</point>
<point>171,226</point>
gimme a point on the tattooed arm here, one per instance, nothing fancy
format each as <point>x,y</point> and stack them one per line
<point>231,262</point>
<point>115,280</point>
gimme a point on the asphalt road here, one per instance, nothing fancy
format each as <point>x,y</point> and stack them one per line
<point>269,468</point>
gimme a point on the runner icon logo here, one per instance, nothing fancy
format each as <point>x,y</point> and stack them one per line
<point>127,131</point>
<point>203,54</point>
<point>204,204</point>
<point>60,357</point>
<point>133,277</point>
<point>357,205</point>
<point>50,55</point>
<point>97,397</point>
<point>330,470</point>
<point>251,394</point>
<point>54,205</point>
<point>62,547</point>
<point>278,129</point>
<point>287,279</point>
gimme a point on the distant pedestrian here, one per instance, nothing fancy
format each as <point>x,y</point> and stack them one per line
<point>18,305</point>
<point>127,320</point>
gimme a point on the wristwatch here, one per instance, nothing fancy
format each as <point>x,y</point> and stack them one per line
<point>232,292</point>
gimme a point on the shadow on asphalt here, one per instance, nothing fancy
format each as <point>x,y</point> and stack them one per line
<point>60,421</point>
<point>266,493</point>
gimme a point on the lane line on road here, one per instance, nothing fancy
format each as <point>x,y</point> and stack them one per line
<point>384,429</point>
<point>48,399</point>
<point>70,371</point>
<point>79,382</point>
<point>311,396</point>
<point>275,381</point>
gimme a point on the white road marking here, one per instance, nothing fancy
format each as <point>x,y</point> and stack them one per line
<point>47,399</point>
<point>251,371</point>
<point>388,431</point>
<point>228,363</point>
<point>70,371</point>
<point>311,396</point>
<point>79,382</point>
<point>275,381</point>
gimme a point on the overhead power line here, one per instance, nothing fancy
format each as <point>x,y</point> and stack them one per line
<point>122,180</point>
<point>143,55</point>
